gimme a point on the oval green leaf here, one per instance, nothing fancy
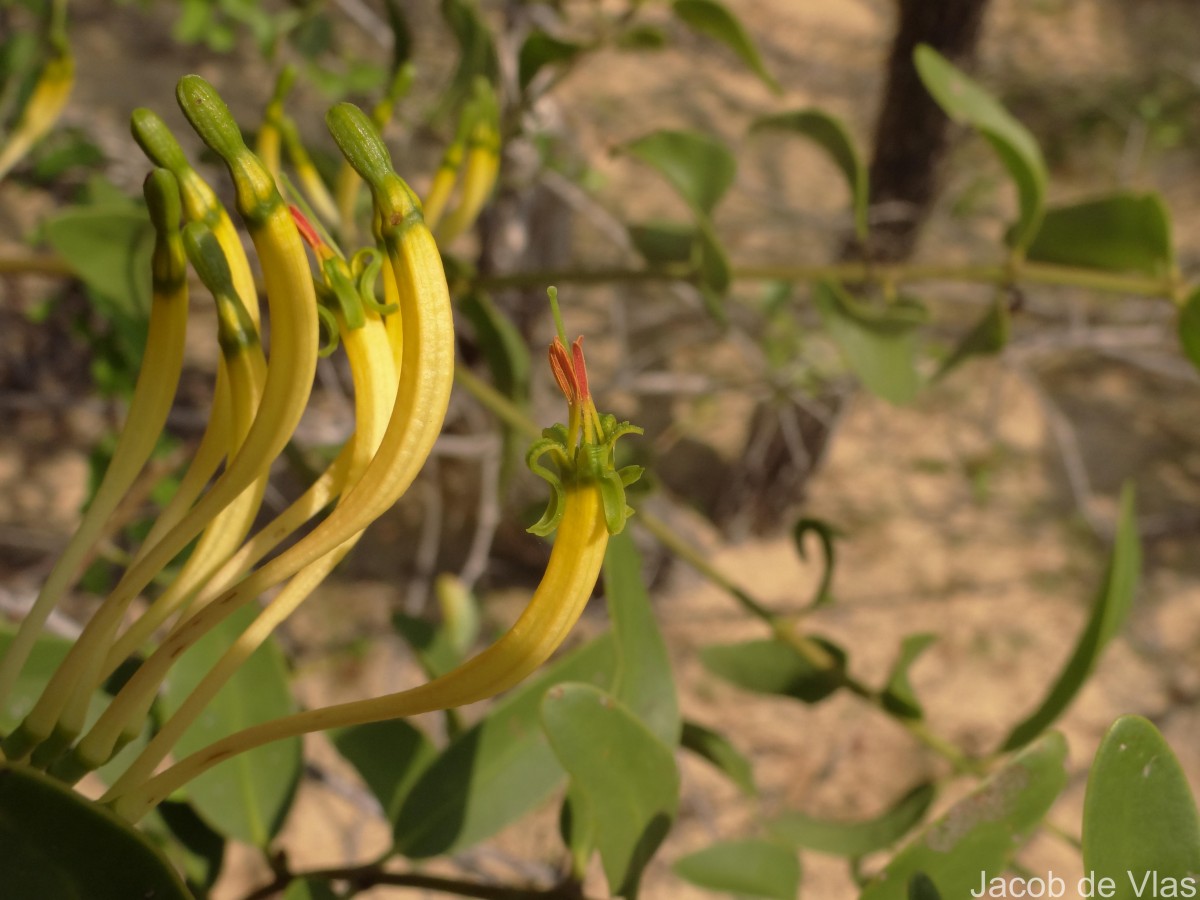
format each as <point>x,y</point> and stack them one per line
<point>719,751</point>
<point>699,167</point>
<point>540,50</point>
<point>109,248</point>
<point>643,681</point>
<point>496,771</point>
<point>1109,612</point>
<point>389,756</point>
<point>898,697</point>
<point>1122,232</point>
<point>248,796</point>
<point>1188,327</point>
<point>987,337</point>
<point>773,667</point>
<point>831,134</point>
<point>58,844</point>
<point>1140,826</point>
<point>748,868</point>
<point>963,100</point>
<point>978,835</point>
<point>855,839</point>
<point>879,346</point>
<point>627,775</point>
<point>714,20</point>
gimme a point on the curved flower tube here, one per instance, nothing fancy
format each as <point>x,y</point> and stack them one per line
<point>152,397</point>
<point>584,518</point>
<point>50,95</point>
<point>292,299</point>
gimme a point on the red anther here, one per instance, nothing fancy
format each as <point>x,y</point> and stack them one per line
<point>580,368</point>
<point>560,365</point>
<point>307,231</point>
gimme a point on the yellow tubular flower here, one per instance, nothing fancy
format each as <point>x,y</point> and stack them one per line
<point>244,359</point>
<point>479,179</point>
<point>292,302</point>
<point>443,183</point>
<point>375,387</point>
<point>45,105</point>
<point>152,398</point>
<point>306,172</point>
<point>422,397</point>
<point>269,141</point>
<point>583,510</point>
<point>375,390</point>
<point>224,534</point>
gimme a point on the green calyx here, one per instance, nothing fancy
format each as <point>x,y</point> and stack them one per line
<point>235,328</point>
<point>590,463</point>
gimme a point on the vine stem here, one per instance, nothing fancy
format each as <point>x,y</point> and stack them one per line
<point>1012,272</point>
<point>783,628</point>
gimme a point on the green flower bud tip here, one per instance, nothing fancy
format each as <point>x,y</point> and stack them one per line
<point>156,140</point>
<point>162,199</point>
<point>207,258</point>
<point>210,117</point>
<point>235,330</point>
<point>360,143</point>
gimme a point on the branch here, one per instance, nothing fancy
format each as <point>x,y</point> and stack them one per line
<point>370,875</point>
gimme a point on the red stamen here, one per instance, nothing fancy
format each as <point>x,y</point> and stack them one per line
<point>307,231</point>
<point>560,365</point>
<point>580,369</point>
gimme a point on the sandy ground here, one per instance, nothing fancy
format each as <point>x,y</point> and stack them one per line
<point>981,513</point>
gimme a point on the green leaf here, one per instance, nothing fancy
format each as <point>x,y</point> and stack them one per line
<point>714,269</point>
<point>48,651</point>
<point>663,243</point>
<point>854,839</point>
<point>540,50</point>
<point>389,756</point>
<point>879,346</point>
<point>826,534</point>
<point>109,248</point>
<point>248,796</point>
<point>714,20</point>
<point>773,667</point>
<point>496,771</point>
<point>963,100</point>
<point>641,37</point>
<point>898,696</point>
<point>182,836</point>
<point>1139,818</point>
<point>1189,327</point>
<point>643,680</point>
<point>433,646</point>
<point>987,337</point>
<point>58,844</point>
<point>504,348</point>
<point>719,750</point>
<point>978,835</point>
<point>477,51</point>
<point>921,888</point>
<point>699,167</point>
<point>1122,232</point>
<point>831,134</point>
<point>748,868</point>
<point>628,776</point>
<point>1109,612</point>
<point>309,889</point>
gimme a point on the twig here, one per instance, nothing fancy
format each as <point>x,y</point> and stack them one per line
<point>361,877</point>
